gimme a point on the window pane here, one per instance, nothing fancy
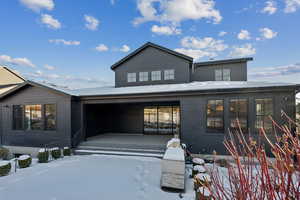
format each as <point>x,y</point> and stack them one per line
<point>214,114</point>
<point>169,74</point>
<point>18,117</point>
<point>131,77</point>
<point>156,75</point>
<point>264,108</point>
<point>50,117</point>
<point>238,110</point>
<point>143,76</point>
<point>33,117</point>
<point>226,74</point>
<point>218,75</point>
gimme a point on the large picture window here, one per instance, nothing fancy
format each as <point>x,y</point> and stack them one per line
<point>264,109</point>
<point>238,109</point>
<point>34,117</point>
<point>214,113</point>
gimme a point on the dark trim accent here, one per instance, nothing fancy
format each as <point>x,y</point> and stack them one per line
<point>150,44</point>
<point>217,62</point>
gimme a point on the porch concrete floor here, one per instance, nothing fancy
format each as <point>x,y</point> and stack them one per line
<point>122,140</point>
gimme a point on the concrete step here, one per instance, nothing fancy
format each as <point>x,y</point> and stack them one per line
<point>124,149</point>
<point>119,153</point>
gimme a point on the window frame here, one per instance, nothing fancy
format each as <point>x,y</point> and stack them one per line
<point>152,75</point>
<point>215,130</point>
<point>247,112</point>
<point>42,118</point>
<point>221,75</point>
<point>264,116</point>
<point>142,76</point>
<point>169,74</point>
<point>130,78</point>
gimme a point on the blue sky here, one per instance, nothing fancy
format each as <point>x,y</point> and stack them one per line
<point>75,42</point>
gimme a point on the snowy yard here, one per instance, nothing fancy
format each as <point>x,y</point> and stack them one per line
<point>90,178</point>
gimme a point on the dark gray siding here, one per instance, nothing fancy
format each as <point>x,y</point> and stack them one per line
<point>193,114</point>
<point>207,73</point>
<point>36,95</point>
<point>75,115</point>
<point>152,59</point>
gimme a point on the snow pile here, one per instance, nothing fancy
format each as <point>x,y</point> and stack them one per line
<point>3,163</point>
<point>199,168</point>
<point>174,142</point>
<point>198,161</point>
<point>174,154</point>
<point>24,157</point>
<point>54,148</point>
<point>66,147</point>
<point>42,150</point>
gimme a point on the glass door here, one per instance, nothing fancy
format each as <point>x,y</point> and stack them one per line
<point>164,120</point>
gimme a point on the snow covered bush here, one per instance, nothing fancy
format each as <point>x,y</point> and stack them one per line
<point>4,153</point>
<point>43,156</point>
<point>255,176</point>
<point>67,151</point>
<point>24,161</point>
<point>55,153</point>
<point>5,167</point>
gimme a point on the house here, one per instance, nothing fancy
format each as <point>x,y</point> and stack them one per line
<point>158,93</point>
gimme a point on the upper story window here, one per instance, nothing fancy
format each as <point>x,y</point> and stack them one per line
<point>143,76</point>
<point>169,74</point>
<point>214,114</point>
<point>264,109</point>
<point>156,75</point>
<point>238,109</point>
<point>222,75</point>
<point>34,117</point>
<point>131,77</point>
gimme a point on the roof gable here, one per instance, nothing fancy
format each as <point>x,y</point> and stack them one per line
<point>150,44</point>
<point>9,77</point>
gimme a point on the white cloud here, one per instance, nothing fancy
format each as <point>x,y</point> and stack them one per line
<point>38,5</point>
<point>16,61</point>
<point>165,30</point>
<point>49,67</point>
<point>112,2</point>
<point>125,48</point>
<point>207,43</point>
<point>65,42</point>
<point>267,33</point>
<point>270,8</point>
<point>243,50</point>
<point>291,6</point>
<point>92,23</point>
<point>276,71</point>
<point>196,53</point>
<point>222,33</point>
<point>50,21</point>
<point>102,47</point>
<point>244,35</point>
<point>176,11</point>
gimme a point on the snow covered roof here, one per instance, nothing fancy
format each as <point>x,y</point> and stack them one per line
<point>183,87</point>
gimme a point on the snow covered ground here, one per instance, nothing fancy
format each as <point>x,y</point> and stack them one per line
<point>90,178</point>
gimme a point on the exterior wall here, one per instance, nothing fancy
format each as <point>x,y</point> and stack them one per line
<point>36,138</point>
<point>193,114</point>
<point>152,59</point>
<point>207,73</point>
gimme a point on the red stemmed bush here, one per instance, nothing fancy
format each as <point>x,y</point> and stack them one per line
<point>255,174</point>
